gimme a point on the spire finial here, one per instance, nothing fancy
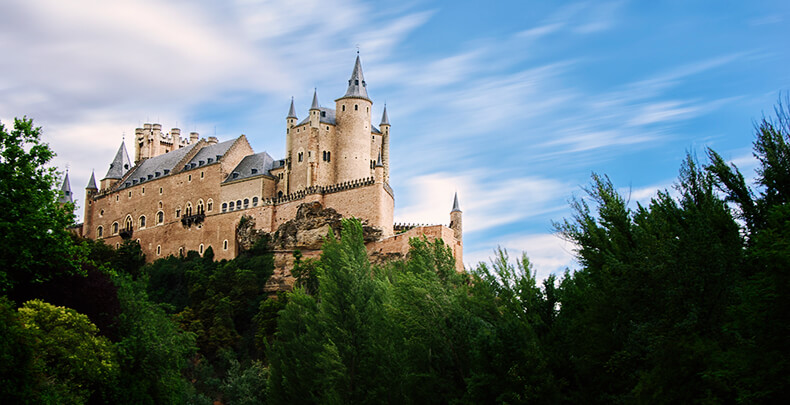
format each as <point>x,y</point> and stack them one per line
<point>456,207</point>
<point>315,105</point>
<point>292,110</point>
<point>356,84</point>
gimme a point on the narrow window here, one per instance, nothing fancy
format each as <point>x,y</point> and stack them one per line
<point>232,204</point>
<point>101,213</point>
<point>328,156</point>
<point>209,205</point>
<point>181,251</point>
<point>130,194</point>
<point>189,178</point>
<point>160,190</point>
<point>128,223</point>
<point>201,175</point>
<point>143,191</point>
<point>356,107</point>
<point>246,203</point>
<point>160,217</point>
<point>344,108</point>
<point>114,228</point>
<point>254,201</point>
<point>158,250</point>
<point>142,221</point>
<point>224,207</point>
<point>238,204</point>
<point>201,249</point>
<point>178,212</point>
<point>200,208</point>
<point>99,232</point>
<point>225,244</point>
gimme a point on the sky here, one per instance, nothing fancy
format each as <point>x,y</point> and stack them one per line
<point>512,104</point>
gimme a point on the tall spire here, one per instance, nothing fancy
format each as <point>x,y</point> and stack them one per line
<point>120,164</point>
<point>92,182</point>
<point>65,191</point>
<point>379,162</point>
<point>456,207</point>
<point>292,111</point>
<point>315,105</point>
<point>356,85</point>
<point>385,120</point>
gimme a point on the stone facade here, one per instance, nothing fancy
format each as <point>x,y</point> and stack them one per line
<point>191,194</point>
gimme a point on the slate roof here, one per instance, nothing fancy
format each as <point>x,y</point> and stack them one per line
<point>456,207</point>
<point>92,182</point>
<point>315,105</point>
<point>292,111</point>
<point>65,191</point>
<point>157,166</point>
<point>210,154</point>
<point>356,85</point>
<point>120,164</point>
<point>327,116</point>
<point>252,165</point>
<point>385,120</point>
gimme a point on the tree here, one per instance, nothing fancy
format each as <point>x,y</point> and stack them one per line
<point>34,242</point>
<point>74,362</point>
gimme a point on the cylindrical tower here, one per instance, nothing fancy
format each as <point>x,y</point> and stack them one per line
<point>385,143</point>
<point>352,142</point>
<point>456,220</point>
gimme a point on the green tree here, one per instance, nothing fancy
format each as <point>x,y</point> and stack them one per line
<point>34,242</point>
<point>74,362</point>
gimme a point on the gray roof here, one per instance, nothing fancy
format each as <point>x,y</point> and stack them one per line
<point>157,166</point>
<point>120,164</point>
<point>455,204</point>
<point>385,120</point>
<point>315,105</point>
<point>379,161</point>
<point>65,191</point>
<point>210,154</point>
<point>252,165</point>
<point>356,85</point>
<point>327,116</point>
<point>92,182</point>
<point>292,111</point>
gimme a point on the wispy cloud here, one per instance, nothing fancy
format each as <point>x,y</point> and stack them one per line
<point>548,253</point>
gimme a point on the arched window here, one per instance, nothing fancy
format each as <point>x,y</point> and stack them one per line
<point>225,244</point>
<point>246,203</point>
<point>224,207</point>
<point>114,228</point>
<point>210,205</point>
<point>128,223</point>
<point>178,212</point>
<point>99,232</point>
<point>160,205</point>
<point>280,194</point>
<point>232,204</point>
<point>200,249</point>
<point>254,201</point>
<point>142,221</point>
<point>188,210</point>
<point>158,250</point>
<point>200,207</point>
<point>160,218</point>
<point>181,251</point>
<point>238,204</point>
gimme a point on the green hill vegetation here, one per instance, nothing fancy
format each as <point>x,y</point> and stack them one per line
<point>683,300</point>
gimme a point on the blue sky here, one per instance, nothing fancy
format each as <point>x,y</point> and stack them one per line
<point>511,103</point>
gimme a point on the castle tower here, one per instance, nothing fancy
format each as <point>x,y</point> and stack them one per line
<point>315,111</point>
<point>353,142</point>
<point>290,122</point>
<point>118,168</point>
<point>385,143</point>
<point>66,195</point>
<point>456,222</point>
<point>90,191</point>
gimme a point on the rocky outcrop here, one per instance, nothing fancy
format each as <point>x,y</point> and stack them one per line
<point>311,225</point>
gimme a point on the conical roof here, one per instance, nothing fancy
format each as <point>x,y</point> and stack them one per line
<point>292,111</point>
<point>379,161</point>
<point>120,164</point>
<point>315,105</point>
<point>65,191</point>
<point>356,85</point>
<point>385,120</point>
<point>92,182</point>
<point>456,207</point>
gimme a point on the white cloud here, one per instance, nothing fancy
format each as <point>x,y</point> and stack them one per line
<point>548,253</point>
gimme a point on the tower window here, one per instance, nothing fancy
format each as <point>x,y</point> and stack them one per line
<point>99,232</point>
<point>160,217</point>
<point>225,244</point>
<point>201,248</point>
<point>201,173</point>
<point>160,190</point>
<point>344,108</point>
<point>143,191</point>
<point>210,205</point>
<point>189,178</point>
<point>101,213</point>
<point>158,250</point>
<point>114,228</point>
<point>142,221</point>
<point>356,107</point>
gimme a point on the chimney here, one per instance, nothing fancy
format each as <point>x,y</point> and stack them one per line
<point>212,140</point>
<point>193,137</point>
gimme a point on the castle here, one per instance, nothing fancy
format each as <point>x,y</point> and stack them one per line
<point>183,194</point>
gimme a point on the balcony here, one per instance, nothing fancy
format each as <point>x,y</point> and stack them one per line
<point>125,233</point>
<point>189,220</point>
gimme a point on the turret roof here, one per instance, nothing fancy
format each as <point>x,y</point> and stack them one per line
<point>65,191</point>
<point>315,105</point>
<point>385,120</point>
<point>356,85</point>
<point>92,182</point>
<point>327,116</point>
<point>120,164</point>
<point>456,207</point>
<point>292,111</point>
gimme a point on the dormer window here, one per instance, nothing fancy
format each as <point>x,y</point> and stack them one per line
<point>209,160</point>
<point>235,175</point>
<point>157,174</point>
<point>201,163</point>
<point>323,113</point>
<point>167,171</point>
<point>356,82</point>
<point>150,176</point>
<point>254,171</point>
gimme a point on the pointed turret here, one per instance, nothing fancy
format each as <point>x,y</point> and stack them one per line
<point>356,85</point>
<point>315,105</point>
<point>292,111</point>
<point>455,204</point>
<point>120,164</point>
<point>379,162</point>
<point>65,191</point>
<point>92,182</point>
<point>385,120</point>
<point>456,220</point>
